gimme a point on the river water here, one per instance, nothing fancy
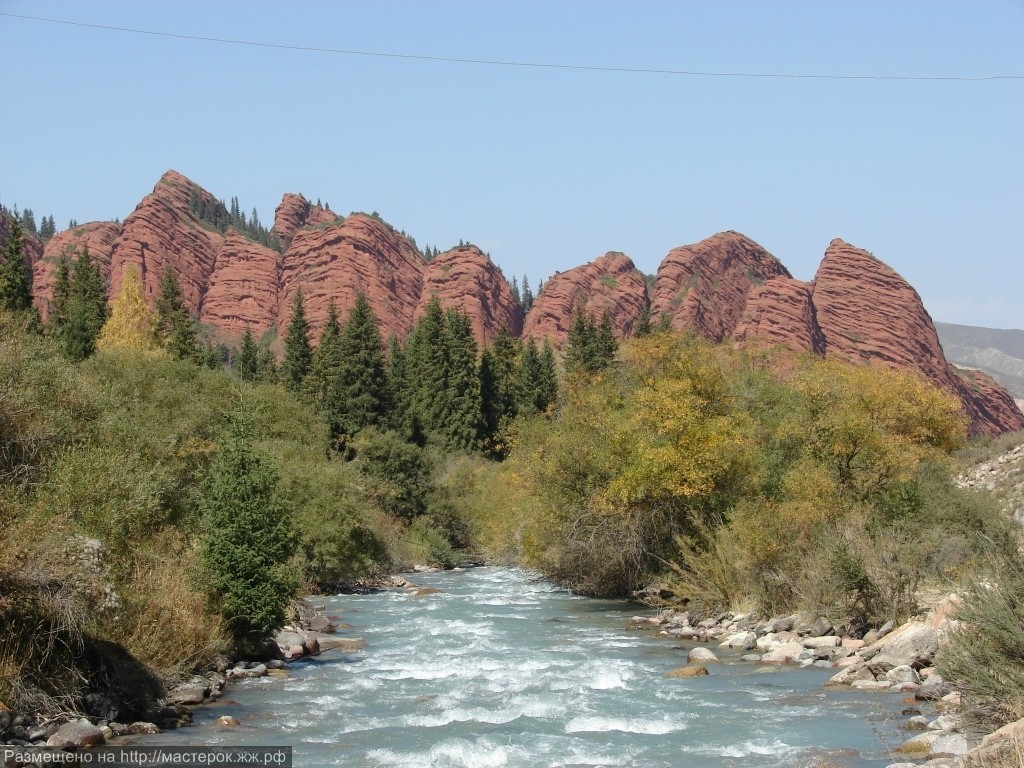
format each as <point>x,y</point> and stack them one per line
<point>502,669</point>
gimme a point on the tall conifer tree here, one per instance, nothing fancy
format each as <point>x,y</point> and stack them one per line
<point>361,395</point>
<point>177,328</point>
<point>15,275</point>
<point>86,310</point>
<point>298,354</point>
<point>326,362</point>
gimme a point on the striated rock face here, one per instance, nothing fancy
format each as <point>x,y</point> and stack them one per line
<point>98,236</point>
<point>609,284</point>
<point>991,407</point>
<point>296,212</point>
<point>781,311</point>
<point>160,231</point>
<point>243,289</point>
<point>869,313</point>
<point>704,286</point>
<point>466,279</point>
<point>338,261</point>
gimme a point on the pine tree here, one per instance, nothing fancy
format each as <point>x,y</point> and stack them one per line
<point>249,540</point>
<point>177,329</point>
<point>86,308</point>
<point>326,360</point>
<point>298,354</point>
<point>248,357</point>
<point>47,228</point>
<point>15,274</point>
<point>515,292</point>
<point>360,396</point>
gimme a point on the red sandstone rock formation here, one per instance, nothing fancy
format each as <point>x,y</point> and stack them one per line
<point>869,313</point>
<point>704,286</point>
<point>161,231</point>
<point>781,311</point>
<point>340,260</point>
<point>609,284</point>
<point>98,236</point>
<point>296,212</point>
<point>243,289</point>
<point>466,279</point>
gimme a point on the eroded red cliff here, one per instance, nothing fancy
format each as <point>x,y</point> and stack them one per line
<point>781,311</point>
<point>466,279</point>
<point>610,283</point>
<point>704,286</point>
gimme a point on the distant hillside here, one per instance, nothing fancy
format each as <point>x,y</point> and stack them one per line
<point>997,352</point>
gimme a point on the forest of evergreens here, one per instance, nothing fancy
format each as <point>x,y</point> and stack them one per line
<point>166,497</point>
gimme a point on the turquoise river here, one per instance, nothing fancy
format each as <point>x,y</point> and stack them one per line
<point>502,669</point>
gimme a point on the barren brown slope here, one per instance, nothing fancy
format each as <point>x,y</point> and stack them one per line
<point>464,278</point>
<point>610,283</point>
<point>704,286</point>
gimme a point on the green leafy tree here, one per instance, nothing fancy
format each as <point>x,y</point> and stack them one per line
<point>175,324</point>
<point>15,274</point>
<point>298,354</point>
<point>249,540</point>
<point>86,308</point>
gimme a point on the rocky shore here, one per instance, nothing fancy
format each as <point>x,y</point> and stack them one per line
<point>890,659</point>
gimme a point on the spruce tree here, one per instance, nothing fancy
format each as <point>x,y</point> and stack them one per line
<point>527,294</point>
<point>249,540</point>
<point>86,308</point>
<point>15,274</point>
<point>515,292</point>
<point>298,355</point>
<point>248,357</point>
<point>426,367</point>
<point>28,221</point>
<point>398,387</point>
<point>58,314</point>
<point>547,391</point>
<point>326,360</point>
<point>643,327</point>
<point>462,413</point>
<point>605,343</point>
<point>580,342</point>
<point>177,329</point>
<point>360,396</point>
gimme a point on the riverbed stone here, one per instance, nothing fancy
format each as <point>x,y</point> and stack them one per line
<point>690,670</point>
<point>226,721</point>
<point>830,641</point>
<point>934,744</point>
<point>345,644</point>
<point>914,644</point>
<point>141,727</point>
<point>786,653</point>
<point>744,641</point>
<point>702,655</point>
<point>77,733</point>
<point>903,674</point>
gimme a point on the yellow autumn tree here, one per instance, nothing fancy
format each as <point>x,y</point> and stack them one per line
<point>131,325</point>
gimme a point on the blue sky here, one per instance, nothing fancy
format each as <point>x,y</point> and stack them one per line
<point>549,168</point>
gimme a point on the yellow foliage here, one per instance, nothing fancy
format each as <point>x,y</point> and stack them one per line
<point>131,325</point>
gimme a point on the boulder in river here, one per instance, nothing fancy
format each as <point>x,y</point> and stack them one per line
<point>77,733</point>
<point>690,670</point>
<point>702,656</point>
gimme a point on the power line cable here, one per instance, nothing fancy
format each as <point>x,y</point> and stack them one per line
<point>522,64</point>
